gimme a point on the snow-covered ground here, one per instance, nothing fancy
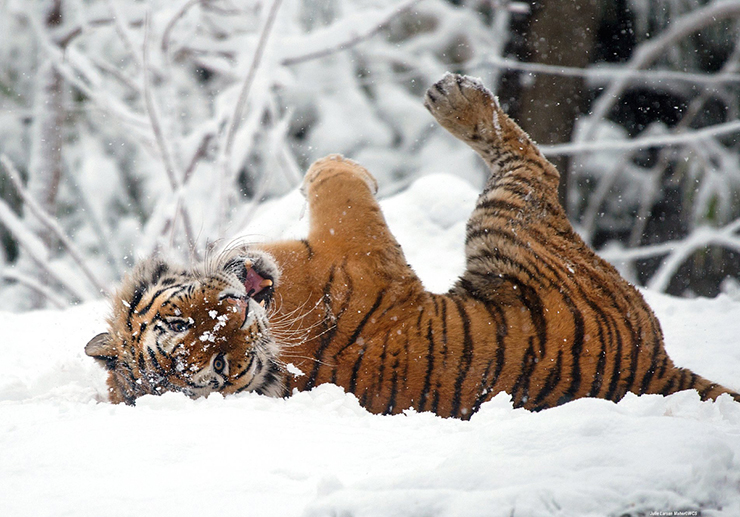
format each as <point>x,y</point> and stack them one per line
<point>64,451</point>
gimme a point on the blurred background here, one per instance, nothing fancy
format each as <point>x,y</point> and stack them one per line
<point>133,127</point>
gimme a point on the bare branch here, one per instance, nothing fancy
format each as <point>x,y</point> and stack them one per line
<point>153,114</point>
<point>13,275</point>
<point>199,154</point>
<point>653,49</point>
<point>356,39</point>
<point>678,251</point>
<point>609,73</point>
<point>251,73</point>
<point>66,37</point>
<point>116,73</point>
<point>36,249</point>
<point>225,157</point>
<point>50,223</point>
<point>165,44</point>
<point>608,179</point>
<point>726,128</point>
<point>123,33</point>
<point>72,74</point>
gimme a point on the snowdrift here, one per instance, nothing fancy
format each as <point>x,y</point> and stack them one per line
<point>65,451</point>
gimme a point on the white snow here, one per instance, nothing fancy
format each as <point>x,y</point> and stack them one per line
<point>64,451</point>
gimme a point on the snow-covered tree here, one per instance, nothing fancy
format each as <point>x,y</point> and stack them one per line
<point>166,123</point>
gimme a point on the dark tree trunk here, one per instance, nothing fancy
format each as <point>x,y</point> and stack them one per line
<point>561,32</point>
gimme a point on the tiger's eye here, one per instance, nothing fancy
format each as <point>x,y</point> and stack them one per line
<point>219,364</point>
<point>178,325</point>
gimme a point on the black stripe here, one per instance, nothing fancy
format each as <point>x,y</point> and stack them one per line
<point>443,353</point>
<point>381,371</point>
<point>271,377</point>
<point>497,206</point>
<point>394,389</point>
<point>703,394</point>
<point>488,381</point>
<point>158,272</point>
<point>525,376</point>
<point>634,357</point>
<point>135,299</point>
<point>552,380</point>
<point>328,331</point>
<point>644,386</point>
<point>158,368</point>
<point>504,262</point>
<point>353,338</point>
<point>533,303</point>
<point>600,368</point>
<point>501,160</point>
<point>493,252</point>
<point>612,393</point>
<point>159,293</point>
<point>356,370</point>
<point>430,368</point>
<point>444,332</point>
<point>682,380</point>
<point>663,366</point>
<point>694,378</point>
<point>466,358</point>
<point>142,329</point>
<point>309,249</point>
<point>576,349</point>
<point>668,388</point>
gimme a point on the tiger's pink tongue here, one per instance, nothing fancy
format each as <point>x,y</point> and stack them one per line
<point>254,283</point>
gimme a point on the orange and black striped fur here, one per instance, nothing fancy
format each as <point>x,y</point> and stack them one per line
<point>192,331</point>
<point>536,313</point>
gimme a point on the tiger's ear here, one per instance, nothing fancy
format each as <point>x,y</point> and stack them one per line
<point>101,349</point>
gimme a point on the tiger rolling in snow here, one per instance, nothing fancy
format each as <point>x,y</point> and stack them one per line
<point>536,313</point>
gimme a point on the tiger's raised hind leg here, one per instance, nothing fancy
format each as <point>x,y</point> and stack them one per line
<point>594,335</point>
<point>520,194</point>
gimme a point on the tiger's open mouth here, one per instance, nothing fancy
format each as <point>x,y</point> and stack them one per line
<point>258,283</point>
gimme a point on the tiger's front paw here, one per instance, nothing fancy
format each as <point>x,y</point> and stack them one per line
<point>336,164</point>
<point>464,107</point>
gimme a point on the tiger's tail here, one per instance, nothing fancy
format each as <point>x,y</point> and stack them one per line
<point>679,379</point>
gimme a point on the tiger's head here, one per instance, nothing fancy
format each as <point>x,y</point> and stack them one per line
<point>195,331</point>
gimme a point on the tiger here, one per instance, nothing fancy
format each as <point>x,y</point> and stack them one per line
<point>535,314</point>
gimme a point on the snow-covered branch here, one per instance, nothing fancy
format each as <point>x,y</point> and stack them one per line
<point>654,48</point>
<point>51,224</point>
<point>677,251</point>
<point>601,74</point>
<point>227,147</point>
<point>347,41</point>
<point>717,130</point>
<point>37,250</point>
<point>36,286</point>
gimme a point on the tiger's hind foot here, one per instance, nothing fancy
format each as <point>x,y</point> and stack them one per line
<point>465,108</point>
<point>471,113</point>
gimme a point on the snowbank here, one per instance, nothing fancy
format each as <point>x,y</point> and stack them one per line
<point>64,452</point>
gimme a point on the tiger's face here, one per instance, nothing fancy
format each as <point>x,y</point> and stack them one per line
<point>193,331</point>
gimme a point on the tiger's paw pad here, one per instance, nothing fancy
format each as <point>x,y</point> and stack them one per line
<point>463,106</point>
<point>336,163</point>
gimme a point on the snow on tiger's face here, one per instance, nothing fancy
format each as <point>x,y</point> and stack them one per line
<point>194,331</point>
